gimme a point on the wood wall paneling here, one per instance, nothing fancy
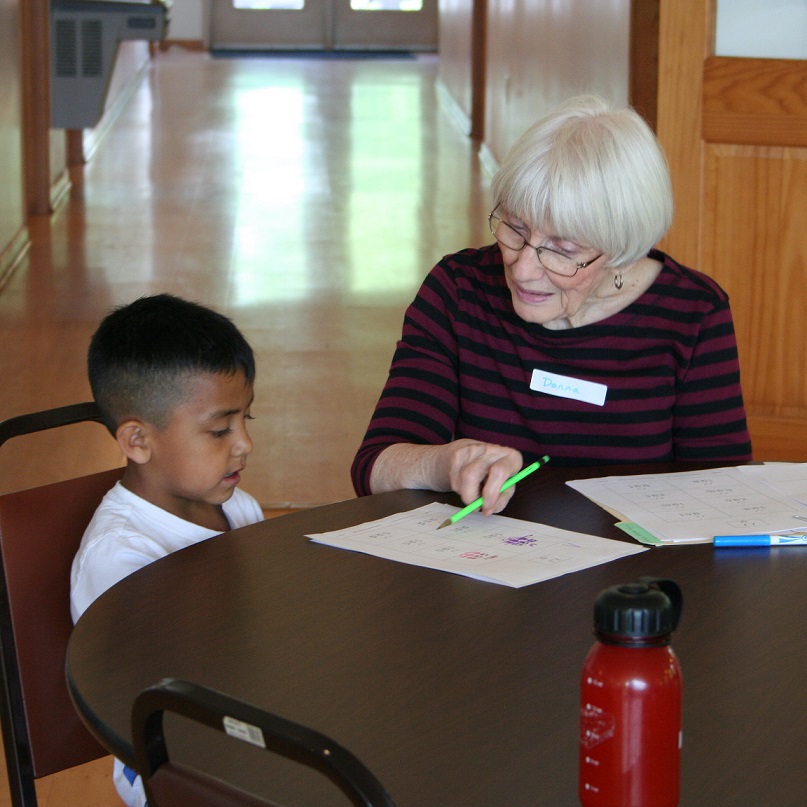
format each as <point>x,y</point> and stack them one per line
<point>13,233</point>
<point>755,243</point>
<point>755,101</point>
<point>540,52</point>
<point>35,65</point>
<point>734,131</point>
<point>498,74</point>
<point>685,35</point>
<point>754,236</point>
<point>478,58</point>
<point>34,158</point>
<point>779,438</point>
<point>457,53</point>
<point>643,76</point>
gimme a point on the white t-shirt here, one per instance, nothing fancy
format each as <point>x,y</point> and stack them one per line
<point>125,534</point>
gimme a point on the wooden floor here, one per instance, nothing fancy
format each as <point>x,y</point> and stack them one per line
<point>304,198</point>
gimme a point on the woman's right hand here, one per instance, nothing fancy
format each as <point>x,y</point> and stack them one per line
<point>470,468</point>
<point>480,469</point>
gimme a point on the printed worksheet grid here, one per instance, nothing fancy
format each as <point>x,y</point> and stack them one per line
<point>492,548</point>
<point>697,498</point>
<point>467,541</point>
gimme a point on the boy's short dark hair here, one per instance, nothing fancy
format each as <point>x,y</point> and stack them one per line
<point>142,354</point>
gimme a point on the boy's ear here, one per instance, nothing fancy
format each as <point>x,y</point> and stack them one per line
<point>133,437</point>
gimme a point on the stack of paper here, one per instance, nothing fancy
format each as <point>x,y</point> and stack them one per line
<point>492,548</point>
<point>694,506</point>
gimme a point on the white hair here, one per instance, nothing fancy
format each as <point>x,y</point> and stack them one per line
<point>592,174</point>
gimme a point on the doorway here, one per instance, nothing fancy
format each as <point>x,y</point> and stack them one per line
<point>330,25</point>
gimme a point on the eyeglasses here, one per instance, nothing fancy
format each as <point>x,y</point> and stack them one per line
<point>552,260</point>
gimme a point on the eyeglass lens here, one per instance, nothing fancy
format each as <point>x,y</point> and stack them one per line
<point>551,261</point>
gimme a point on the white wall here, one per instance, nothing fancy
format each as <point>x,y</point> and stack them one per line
<point>189,20</point>
<point>765,29</point>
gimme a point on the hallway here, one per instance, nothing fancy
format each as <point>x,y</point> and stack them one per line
<point>306,199</point>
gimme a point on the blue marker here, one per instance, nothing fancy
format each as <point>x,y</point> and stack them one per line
<point>794,539</point>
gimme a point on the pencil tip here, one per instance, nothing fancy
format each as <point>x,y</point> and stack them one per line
<point>446,523</point>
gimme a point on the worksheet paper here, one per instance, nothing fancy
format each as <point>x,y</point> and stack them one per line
<point>789,478</point>
<point>694,506</point>
<point>494,548</point>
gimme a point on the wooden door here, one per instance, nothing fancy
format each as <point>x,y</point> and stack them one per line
<point>735,132</point>
<point>324,25</point>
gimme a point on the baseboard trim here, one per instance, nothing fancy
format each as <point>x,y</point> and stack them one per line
<point>60,190</point>
<point>455,111</point>
<point>13,254</point>
<point>194,45</point>
<point>489,163</point>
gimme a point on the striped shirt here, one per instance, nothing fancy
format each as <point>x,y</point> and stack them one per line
<point>465,360</point>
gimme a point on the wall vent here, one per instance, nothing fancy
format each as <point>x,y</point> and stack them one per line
<point>92,54</point>
<point>66,47</point>
<point>85,35</point>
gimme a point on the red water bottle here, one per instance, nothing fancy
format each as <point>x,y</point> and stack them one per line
<point>630,699</point>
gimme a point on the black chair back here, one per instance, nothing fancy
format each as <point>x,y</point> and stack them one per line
<point>170,784</point>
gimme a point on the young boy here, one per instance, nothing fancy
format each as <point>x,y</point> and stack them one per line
<point>174,382</point>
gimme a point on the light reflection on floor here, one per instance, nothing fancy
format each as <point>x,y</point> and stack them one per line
<point>305,199</point>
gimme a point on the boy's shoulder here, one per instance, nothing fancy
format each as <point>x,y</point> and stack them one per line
<point>242,509</point>
<point>114,510</point>
<point>122,512</point>
<point>121,519</point>
<point>127,532</point>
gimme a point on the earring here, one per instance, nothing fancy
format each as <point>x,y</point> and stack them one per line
<point>618,281</point>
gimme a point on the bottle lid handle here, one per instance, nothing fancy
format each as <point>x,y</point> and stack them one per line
<point>673,592</point>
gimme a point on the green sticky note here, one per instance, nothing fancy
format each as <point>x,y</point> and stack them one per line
<point>639,533</point>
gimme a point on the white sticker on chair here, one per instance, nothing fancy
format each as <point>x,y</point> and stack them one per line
<point>243,731</point>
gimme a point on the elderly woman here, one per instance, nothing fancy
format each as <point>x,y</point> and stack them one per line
<point>570,336</point>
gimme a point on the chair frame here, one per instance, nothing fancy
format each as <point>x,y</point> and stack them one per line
<point>256,726</point>
<point>42,732</point>
<point>48,419</point>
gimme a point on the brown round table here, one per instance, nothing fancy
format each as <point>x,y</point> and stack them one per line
<point>455,692</point>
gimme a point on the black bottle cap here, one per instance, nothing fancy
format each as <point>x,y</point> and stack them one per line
<point>644,612</point>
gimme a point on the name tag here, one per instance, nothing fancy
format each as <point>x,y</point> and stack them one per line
<point>564,386</point>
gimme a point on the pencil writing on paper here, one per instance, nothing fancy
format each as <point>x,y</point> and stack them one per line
<point>475,505</point>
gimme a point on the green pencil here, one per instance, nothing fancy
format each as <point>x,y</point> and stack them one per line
<point>469,508</point>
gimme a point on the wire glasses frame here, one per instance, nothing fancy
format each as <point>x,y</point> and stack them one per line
<point>553,261</point>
